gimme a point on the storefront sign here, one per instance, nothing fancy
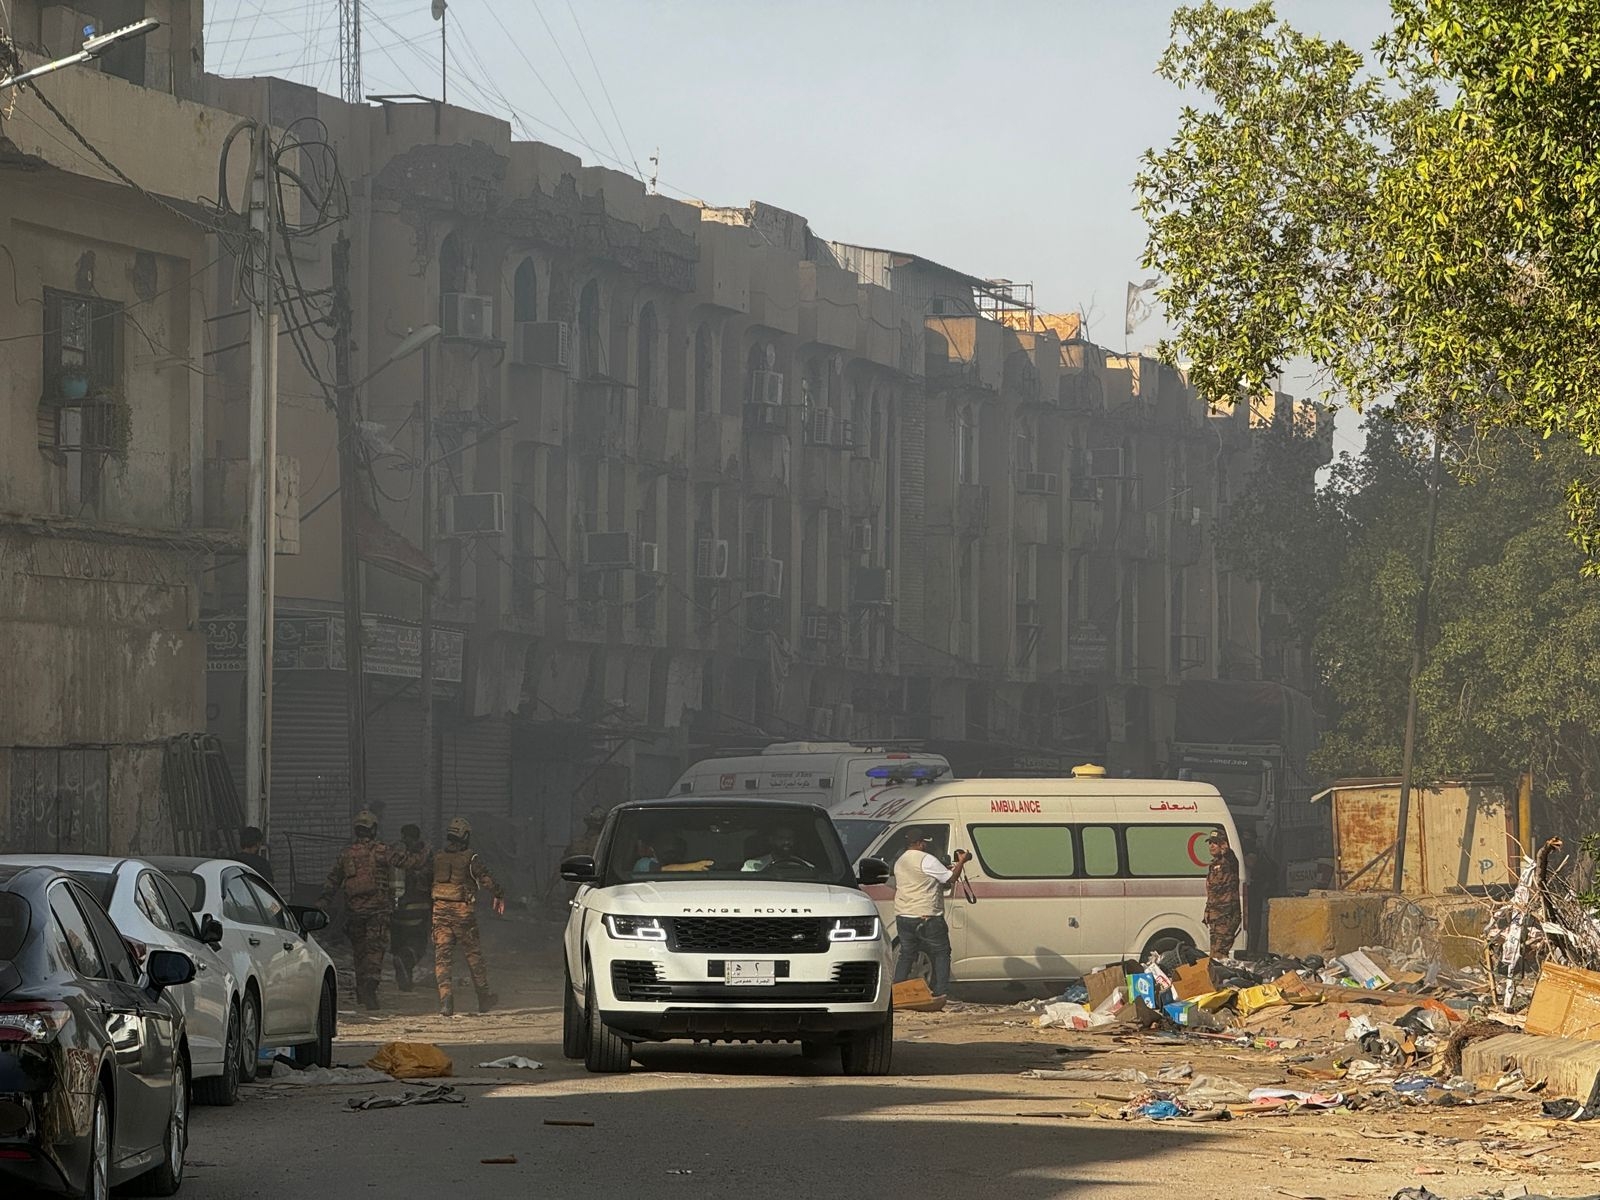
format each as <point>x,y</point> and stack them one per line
<point>391,648</point>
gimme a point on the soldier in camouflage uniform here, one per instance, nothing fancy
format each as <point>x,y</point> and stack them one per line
<point>361,875</point>
<point>414,915</point>
<point>1223,911</point>
<point>458,874</point>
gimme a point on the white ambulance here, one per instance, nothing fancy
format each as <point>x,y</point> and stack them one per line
<point>1067,875</point>
<point>831,774</point>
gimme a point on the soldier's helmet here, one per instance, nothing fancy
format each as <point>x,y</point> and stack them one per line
<point>366,821</point>
<point>596,817</point>
<point>458,829</point>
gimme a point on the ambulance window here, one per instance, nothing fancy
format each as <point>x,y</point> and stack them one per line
<point>1168,850</point>
<point>1100,852</point>
<point>1025,851</point>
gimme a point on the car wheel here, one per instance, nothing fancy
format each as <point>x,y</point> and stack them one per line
<point>869,1051</point>
<point>223,1090</point>
<point>97,1182</point>
<point>607,1052</point>
<point>319,1053</point>
<point>167,1178</point>
<point>249,1037</point>
<point>574,1036</point>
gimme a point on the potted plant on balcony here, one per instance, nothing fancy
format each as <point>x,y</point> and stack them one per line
<point>72,384</point>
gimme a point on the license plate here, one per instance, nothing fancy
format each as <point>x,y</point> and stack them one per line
<point>749,973</point>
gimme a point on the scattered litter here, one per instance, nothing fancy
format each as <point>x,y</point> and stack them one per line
<point>1215,1089</point>
<point>436,1095</point>
<point>508,1160</point>
<point>331,1076</point>
<point>514,1062</point>
<point>678,1171</point>
<point>1288,1098</point>
<point>412,1060</point>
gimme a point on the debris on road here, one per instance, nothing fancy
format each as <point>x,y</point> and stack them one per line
<point>435,1095</point>
<point>505,1160</point>
<point>412,1060</point>
<point>514,1062</point>
<point>331,1077</point>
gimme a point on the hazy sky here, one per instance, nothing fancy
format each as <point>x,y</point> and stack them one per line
<point>999,138</point>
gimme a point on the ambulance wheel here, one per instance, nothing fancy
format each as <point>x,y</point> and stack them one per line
<point>1168,941</point>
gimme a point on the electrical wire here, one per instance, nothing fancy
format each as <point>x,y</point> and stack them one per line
<point>623,133</point>
<point>582,91</point>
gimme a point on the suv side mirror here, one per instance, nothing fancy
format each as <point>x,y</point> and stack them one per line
<point>311,919</point>
<point>579,868</point>
<point>211,931</point>
<point>168,968</point>
<point>872,870</point>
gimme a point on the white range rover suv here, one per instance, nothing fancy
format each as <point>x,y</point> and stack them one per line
<point>725,920</point>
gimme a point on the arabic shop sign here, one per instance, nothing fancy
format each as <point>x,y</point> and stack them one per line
<point>391,648</point>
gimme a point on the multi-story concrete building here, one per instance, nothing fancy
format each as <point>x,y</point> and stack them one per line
<point>104,534</point>
<point>704,479</point>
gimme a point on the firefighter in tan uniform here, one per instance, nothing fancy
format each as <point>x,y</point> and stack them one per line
<point>458,874</point>
<point>361,875</point>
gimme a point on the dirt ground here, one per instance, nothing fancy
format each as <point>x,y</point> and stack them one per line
<point>960,1075</point>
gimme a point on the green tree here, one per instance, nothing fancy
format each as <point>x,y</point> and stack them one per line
<point>1420,223</point>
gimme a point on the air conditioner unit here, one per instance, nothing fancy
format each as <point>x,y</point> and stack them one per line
<point>819,627</point>
<point>475,513</point>
<point>650,558</point>
<point>608,550</point>
<point>872,585</point>
<point>1043,483</point>
<point>861,537</point>
<point>766,387</point>
<point>542,344</point>
<point>819,427</point>
<point>766,577</point>
<point>1106,462</point>
<point>467,316</point>
<point>711,559</point>
<point>819,721</point>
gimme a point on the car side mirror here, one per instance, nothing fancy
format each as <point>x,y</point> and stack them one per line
<point>872,870</point>
<point>311,919</point>
<point>168,968</point>
<point>579,868</point>
<point>211,931</point>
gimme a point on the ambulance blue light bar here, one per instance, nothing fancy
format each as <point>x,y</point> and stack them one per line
<point>907,773</point>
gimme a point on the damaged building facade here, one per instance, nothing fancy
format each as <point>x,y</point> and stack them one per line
<point>704,480</point>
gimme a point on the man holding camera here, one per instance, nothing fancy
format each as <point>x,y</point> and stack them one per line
<point>920,881</point>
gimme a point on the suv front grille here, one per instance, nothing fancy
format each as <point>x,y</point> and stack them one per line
<point>750,935</point>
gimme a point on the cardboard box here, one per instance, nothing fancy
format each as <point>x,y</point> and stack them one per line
<point>1365,972</point>
<point>1144,989</point>
<point>1189,982</point>
<point>1103,982</point>
<point>1566,1003</point>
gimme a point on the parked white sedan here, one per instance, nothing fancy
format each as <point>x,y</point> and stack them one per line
<point>149,913</point>
<point>290,989</point>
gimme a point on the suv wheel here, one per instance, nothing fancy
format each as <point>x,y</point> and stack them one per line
<point>607,1051</point>
<point>869,1051</point>
<point>574,1037</point>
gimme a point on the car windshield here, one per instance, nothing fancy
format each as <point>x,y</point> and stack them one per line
<point>101,885</point>
<point>190,887</point>
<point>724,842</point>
<point>858,834</point>
<point>14,913</point>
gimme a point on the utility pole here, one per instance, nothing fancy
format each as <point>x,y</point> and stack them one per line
<point>350,51</point>
<point>349,517</point>
<point>1418,642</point>
<point>432,800</point>
<point>261,546</point>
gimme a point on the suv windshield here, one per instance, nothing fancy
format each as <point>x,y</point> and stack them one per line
<point>712,841</point>
<point>858,834</point>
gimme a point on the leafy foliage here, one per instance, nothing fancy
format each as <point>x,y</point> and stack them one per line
<point>1420,223</point>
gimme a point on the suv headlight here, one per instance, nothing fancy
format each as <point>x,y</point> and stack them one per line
<point>636,929</point>
<point>855,929</point>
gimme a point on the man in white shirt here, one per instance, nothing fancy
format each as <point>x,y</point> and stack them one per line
<point>920,881</point>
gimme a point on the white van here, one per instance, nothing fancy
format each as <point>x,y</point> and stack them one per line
<point>1067,875</point>
<point>831,774</point>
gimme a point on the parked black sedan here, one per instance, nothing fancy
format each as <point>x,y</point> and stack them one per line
<point>94,1066</point>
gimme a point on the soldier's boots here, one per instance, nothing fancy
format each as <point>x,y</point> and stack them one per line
<point>447,1006</point>
<point>402,975</point>
<point>369,997</point>
<point>486,1000</point>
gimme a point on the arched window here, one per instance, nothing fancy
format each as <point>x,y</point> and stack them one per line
<point>647,355</point>
<point>759,366</point>
<point>704,368</point>
<point>525,293</point>
<point>858,416</point>
<point>875,430</point>
<point>1025,456</point>
<point>967,445</point>
<point>589,348</point>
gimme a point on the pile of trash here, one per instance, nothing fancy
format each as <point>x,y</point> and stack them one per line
<point>1544,921</point>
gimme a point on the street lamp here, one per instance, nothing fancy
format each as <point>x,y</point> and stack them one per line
<point>417,339</point>
<point>93,47</point>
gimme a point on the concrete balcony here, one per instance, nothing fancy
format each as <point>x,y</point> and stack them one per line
<point>718,446</point>
<point>538,399</point>
<point>663,436</point>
